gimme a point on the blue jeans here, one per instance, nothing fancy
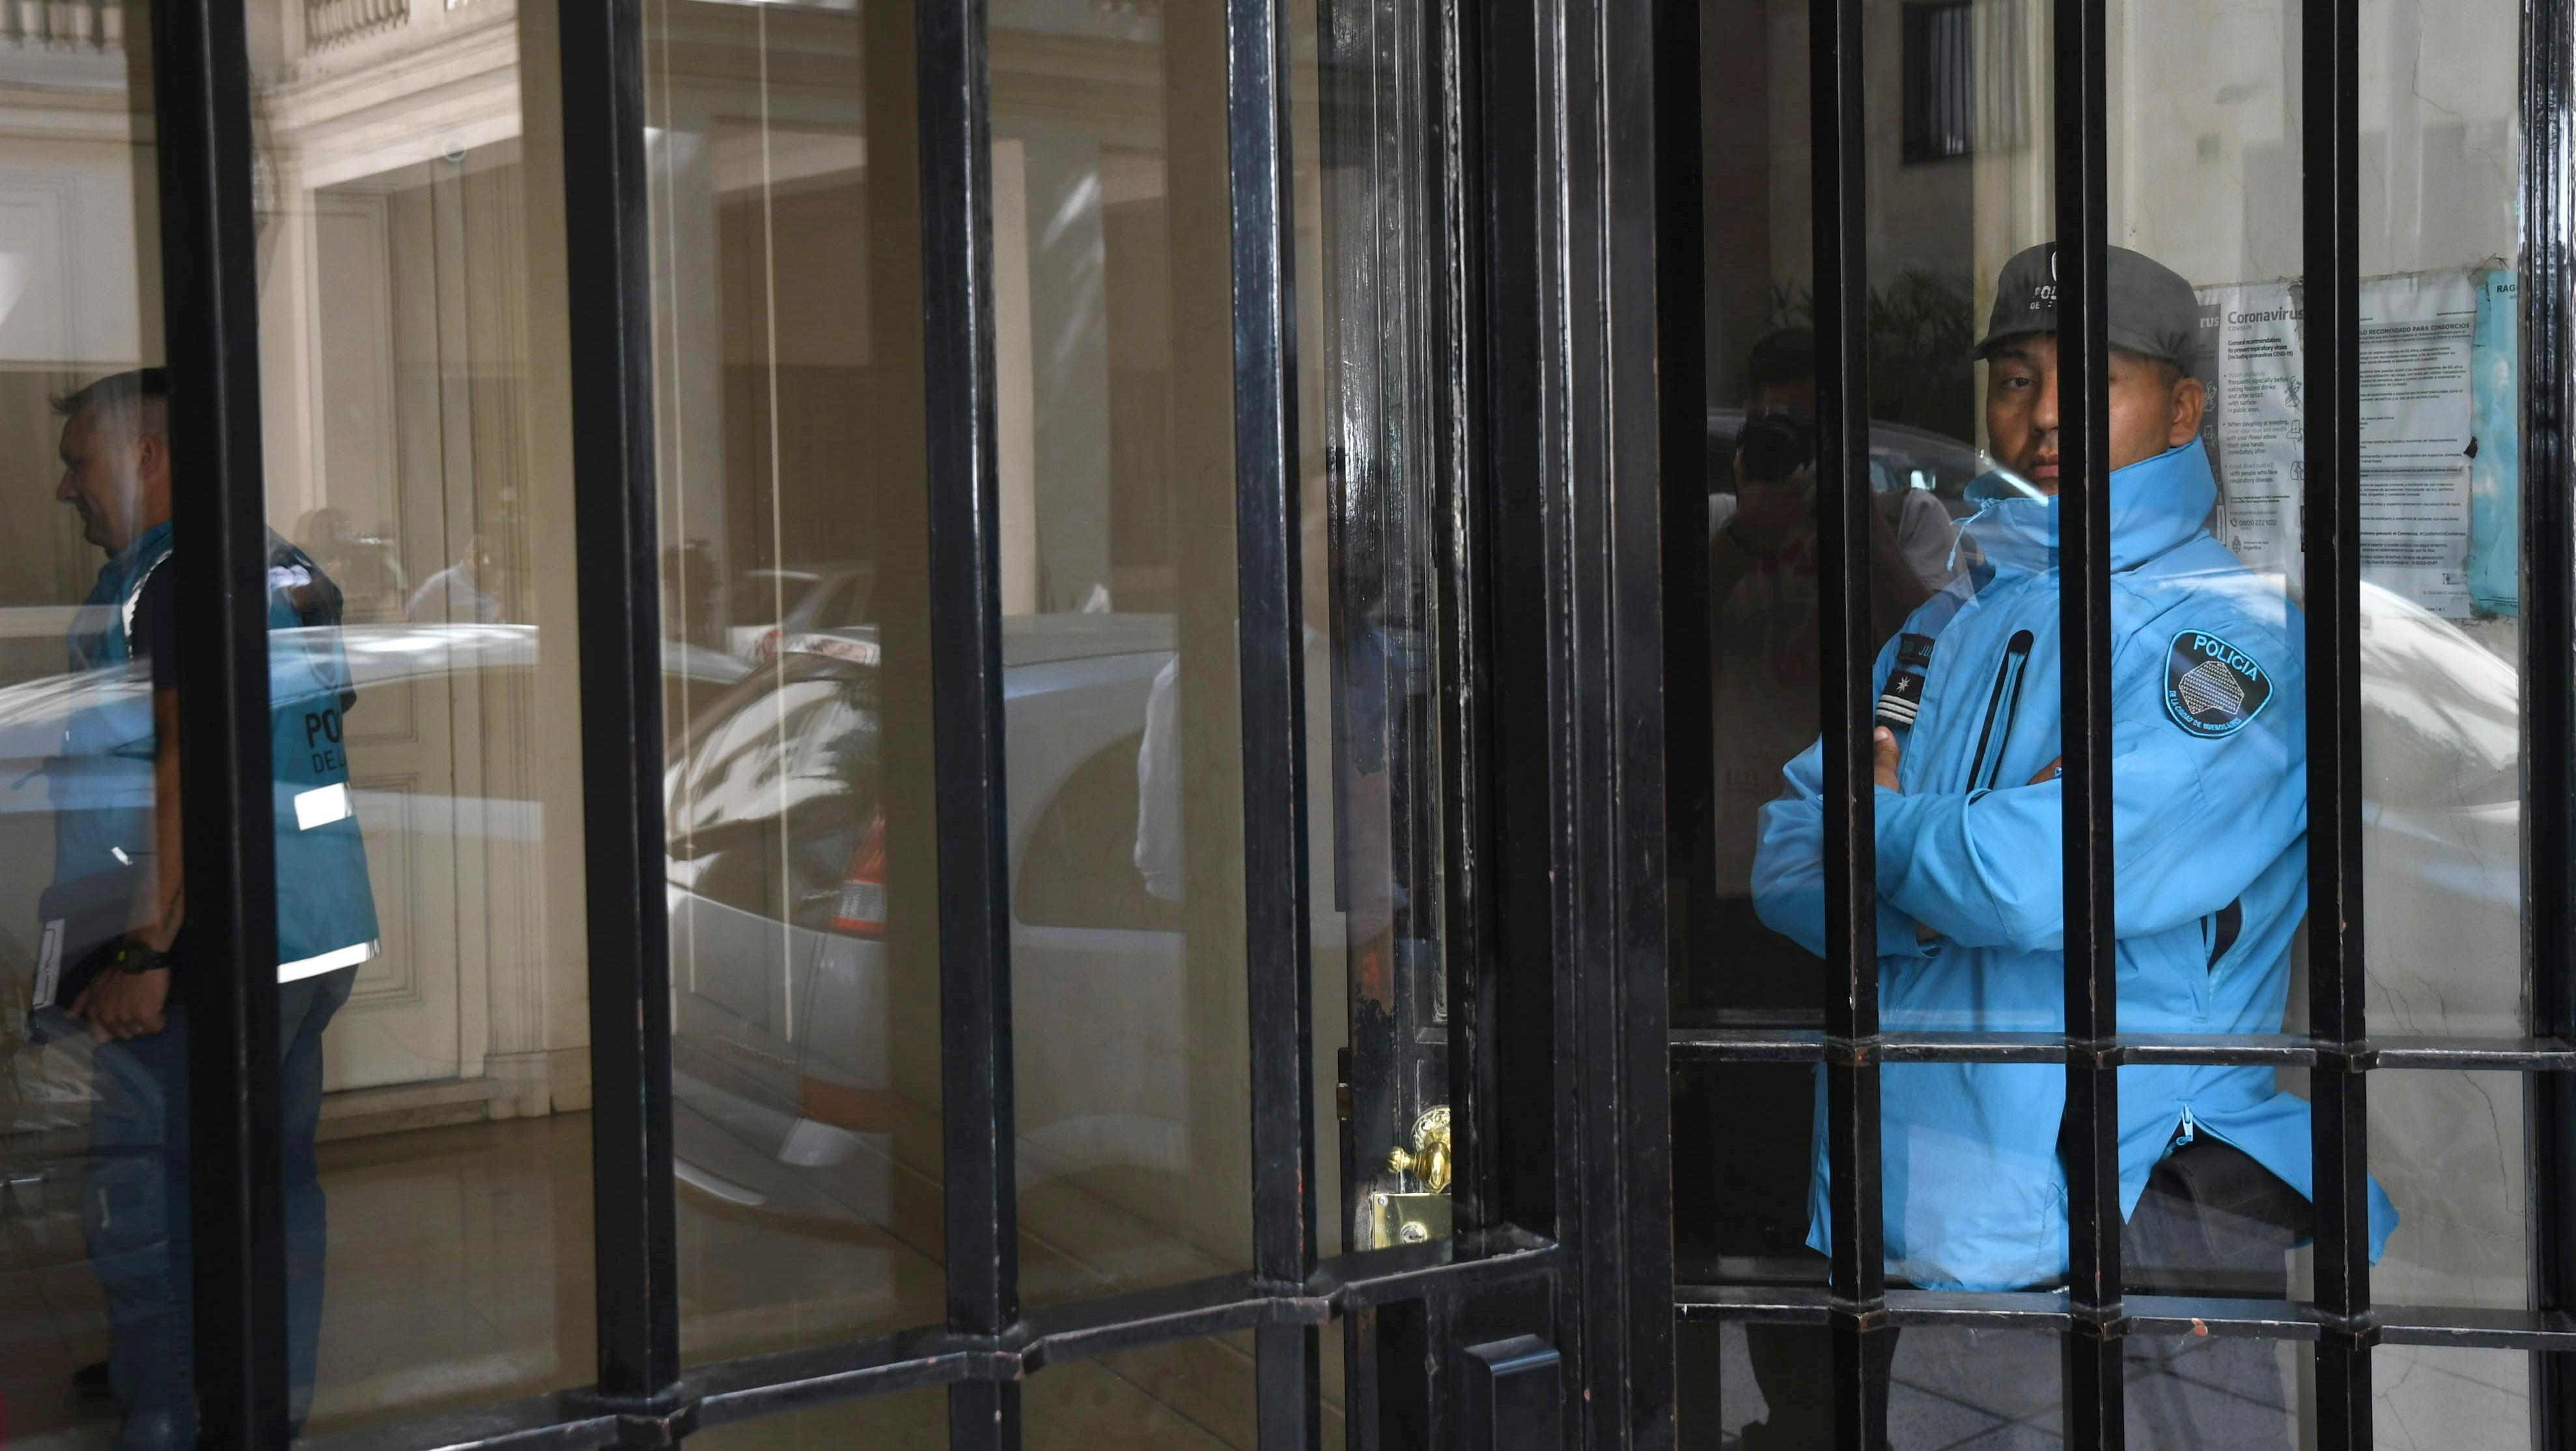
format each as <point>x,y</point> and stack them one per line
<point>134,1208</point>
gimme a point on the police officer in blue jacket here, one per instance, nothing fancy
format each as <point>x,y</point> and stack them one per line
<point>115,954</point>
<point>2209,823</point>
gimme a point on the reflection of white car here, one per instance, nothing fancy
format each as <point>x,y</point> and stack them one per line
<point>782,1052</point>
<point>384,660</point>
<point>767,604</point>
<point>2441,764</point>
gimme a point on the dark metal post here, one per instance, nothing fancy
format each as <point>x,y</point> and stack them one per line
<point>1852,1050</point>
<point>609,303</point>
<point>976,1093</point>
<point>2089,1139</point>
<point>2549,679</point>
<point>210,291</point>
<point>1271,639</point>
<point>1467,789</point>
<point>2330,68</point>
<point>1681,380</point>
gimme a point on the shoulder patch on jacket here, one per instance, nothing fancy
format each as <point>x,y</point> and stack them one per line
<point>2212,688</point>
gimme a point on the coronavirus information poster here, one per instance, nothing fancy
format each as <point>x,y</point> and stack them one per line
<point>2417,429</point>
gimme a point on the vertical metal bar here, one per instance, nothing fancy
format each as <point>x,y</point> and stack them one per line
<point>1690,768</point>
<point>609,303</point>
<point>1630,997</point>
<point>2330,88</point>
<point>2548,530</point>
<point>1464,626</point>
<point>1841,180</point>
<point>2089,1139</point>
<point>976,1094</point>
<point>1271,640</point>
<point>210,292</point>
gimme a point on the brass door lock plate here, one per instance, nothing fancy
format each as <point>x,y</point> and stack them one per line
<point>1407,1218</point>
<point>1401,1216</point>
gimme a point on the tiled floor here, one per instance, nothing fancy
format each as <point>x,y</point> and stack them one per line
<point>1957,1390</point>
<point>460,1273</point>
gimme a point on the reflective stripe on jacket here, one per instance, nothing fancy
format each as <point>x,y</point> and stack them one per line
<point>2209,840</point>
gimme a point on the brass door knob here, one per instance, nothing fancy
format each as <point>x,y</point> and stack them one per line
<point>1429,1156</point>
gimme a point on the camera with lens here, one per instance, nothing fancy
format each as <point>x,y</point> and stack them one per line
<point>1776,443</point>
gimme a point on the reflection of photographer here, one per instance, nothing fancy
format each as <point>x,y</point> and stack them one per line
<point>1775,481</point>
<point>1765,652</point>
<point>1768,519</point>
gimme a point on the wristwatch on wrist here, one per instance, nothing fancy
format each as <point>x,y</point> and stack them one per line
<point>137,958</point>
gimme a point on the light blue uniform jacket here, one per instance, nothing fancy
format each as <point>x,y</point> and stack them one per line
<point>2209,809</point>
<point>101,784</point>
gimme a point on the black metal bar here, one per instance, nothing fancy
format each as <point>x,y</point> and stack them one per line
<point>805,1379</point>
<point>2284,1050</point>
<point>1839,121</point>
<point>2089,1137</point>
<point>1467,764</point>
<point>2050,1310</point>
<point>610,310</point>
<point>1626,1143</point>
<point>976,1086</point>
<point>2330,68</point>
<point>2548,534</point>
<point>1690,785</point>
<point>1270,624</point>
<point>210,310</point>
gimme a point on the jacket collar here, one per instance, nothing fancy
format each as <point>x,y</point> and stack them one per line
<point>2156,505</point>
<point>131,563</point>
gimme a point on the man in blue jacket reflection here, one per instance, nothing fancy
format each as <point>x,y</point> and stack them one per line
<point>2208,833</point>
<point>115,956</point>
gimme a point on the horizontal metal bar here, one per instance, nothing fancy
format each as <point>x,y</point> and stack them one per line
<point>795,1380</point>
<point>1117,1323</point>
<point>1478,1261</point>
<point>2482,1329</point>
<point>2047,1310</point>
<point>1809,1045</point>
<point>2541,1055</point>
<point>798,1380</point>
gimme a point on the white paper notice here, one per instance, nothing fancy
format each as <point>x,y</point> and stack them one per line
<point>2416,337</point>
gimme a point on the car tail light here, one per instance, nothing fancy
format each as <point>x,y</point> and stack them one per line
<point>863,893</point>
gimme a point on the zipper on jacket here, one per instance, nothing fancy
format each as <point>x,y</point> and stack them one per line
<point>2005,699</point>
<point>2225,926</point>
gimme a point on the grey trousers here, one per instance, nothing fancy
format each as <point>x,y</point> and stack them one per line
<point>2212,1222</point>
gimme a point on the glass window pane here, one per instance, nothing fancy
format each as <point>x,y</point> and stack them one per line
<point>413,377</point>
<point>2443,1395</point>
<point>2211,723</point>
<point>94,1183</point>
<point>789,409</point>
<point>1990,1390</point>
<point>2442,636</point>
<point>1191,1396</point>
<point>906,1421</point>
<point>1369,216</point>
<point>2450,1148</point>
<point>1115,423</point>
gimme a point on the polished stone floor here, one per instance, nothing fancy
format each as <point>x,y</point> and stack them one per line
<point>1962,1390</point>
<point>460,1273</point>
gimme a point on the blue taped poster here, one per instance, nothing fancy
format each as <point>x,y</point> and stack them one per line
<point>2495,474</point>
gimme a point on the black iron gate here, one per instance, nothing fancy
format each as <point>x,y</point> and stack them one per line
<point>2092,1316</point>
<point>1543,1320</point>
